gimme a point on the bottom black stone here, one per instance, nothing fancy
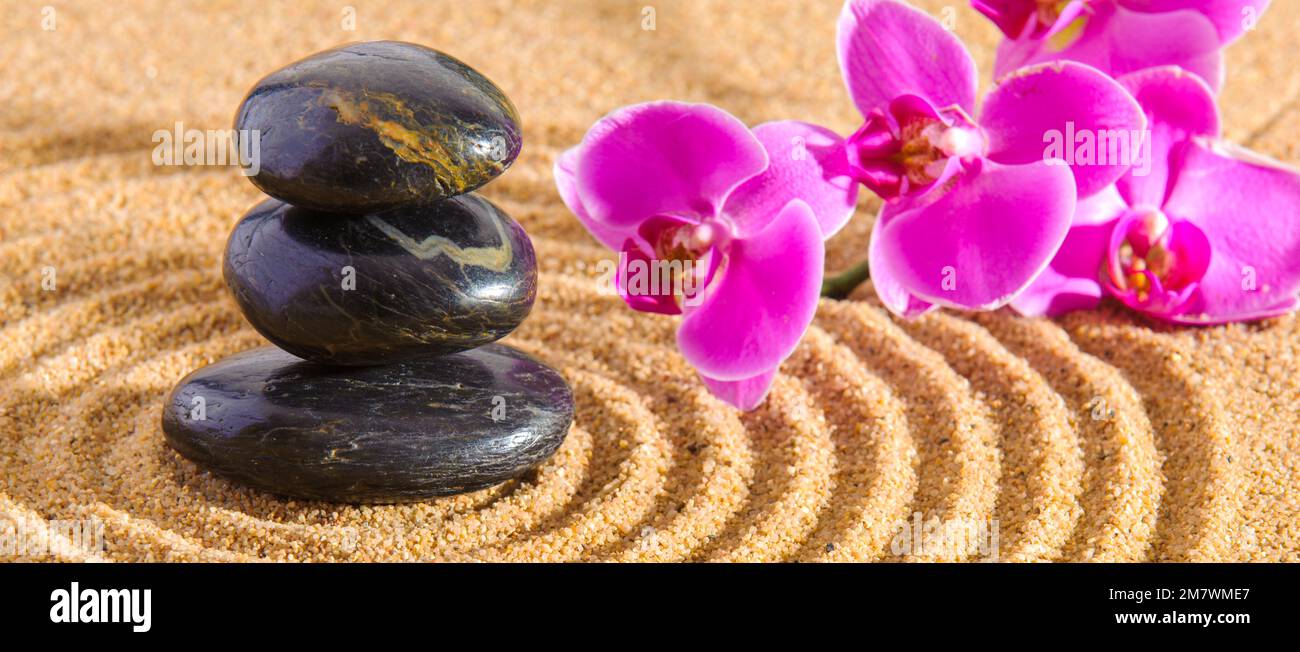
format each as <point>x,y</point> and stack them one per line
<point>396,433</point>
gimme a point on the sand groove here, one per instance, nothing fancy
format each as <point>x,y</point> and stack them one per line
<point>1200,517</point>
<point>1037,501</point>
<point>958,461</point>
<point>875,478</point>
<point>1121,465</point>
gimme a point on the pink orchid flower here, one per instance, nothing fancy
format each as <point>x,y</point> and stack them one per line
<point>737,218</point>
<point>1121,36</point>
<point>975,209</point>
<point>1210,236</point>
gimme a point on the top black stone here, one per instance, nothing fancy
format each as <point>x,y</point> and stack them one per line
<point>372,126</point>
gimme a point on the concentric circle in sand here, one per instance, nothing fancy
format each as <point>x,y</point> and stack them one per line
<point>1094,438</point>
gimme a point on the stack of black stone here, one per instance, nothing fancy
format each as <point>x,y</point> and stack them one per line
<point>383,279</point>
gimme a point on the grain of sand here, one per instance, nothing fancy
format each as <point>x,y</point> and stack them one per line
<point>1094,437</point>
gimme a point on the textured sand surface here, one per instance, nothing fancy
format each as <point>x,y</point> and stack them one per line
<point>1096,437</point>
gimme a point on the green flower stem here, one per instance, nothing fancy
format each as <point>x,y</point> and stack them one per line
<point>841,285</point>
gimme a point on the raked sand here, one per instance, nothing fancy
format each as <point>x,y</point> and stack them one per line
<point>1094,437</point>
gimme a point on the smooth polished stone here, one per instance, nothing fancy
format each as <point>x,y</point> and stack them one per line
<point>426,279</point>
<point>399,433</point>
<point>371,126</point>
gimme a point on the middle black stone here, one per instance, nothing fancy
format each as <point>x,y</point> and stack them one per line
<point>424,279</point>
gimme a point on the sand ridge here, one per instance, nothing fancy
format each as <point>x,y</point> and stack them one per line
<point>1095,437</point>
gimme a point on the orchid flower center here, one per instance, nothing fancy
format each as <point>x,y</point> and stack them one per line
<point>1050,10</point>
<point>910,153</point>
<point>1061,22</point>
<point>1144,255</point>
<point>1155,262</point>
<point>690,241</point>
<point>686,254</point>
<point>925,146</point>
<point>1049,14</point>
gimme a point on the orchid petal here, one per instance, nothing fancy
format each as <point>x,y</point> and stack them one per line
<point>1178,106</point>
<point>982,241</point>
<point>888,48</point>
<point>1118,41</point>
<point>1245,204</point>
<point>566,181</point>
<point>1063,102</point>
<point>892,293</point>
<point>745,394</point>
<point>1231,18</point>
<point>664,158</point>
<point>1100,208</point>
<point>1070,281</point>
<point>807,162</point>
<point>753,314</point>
